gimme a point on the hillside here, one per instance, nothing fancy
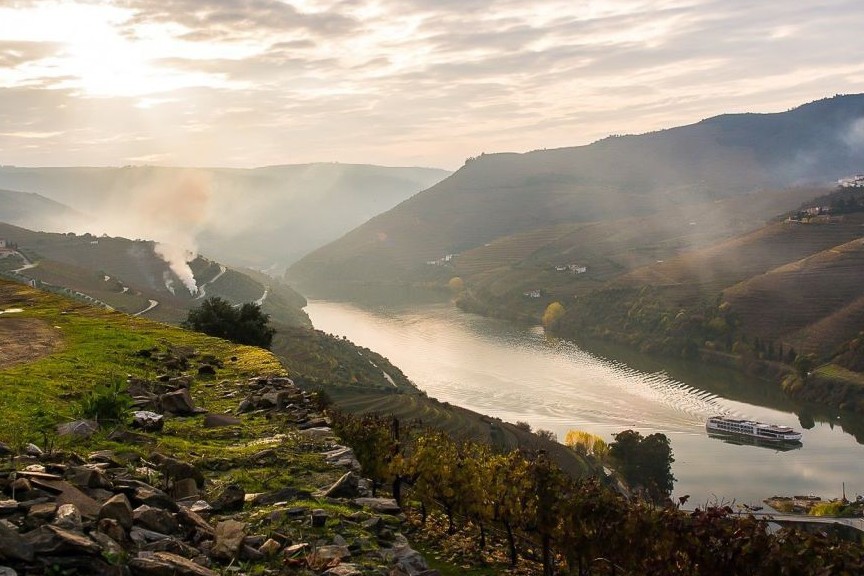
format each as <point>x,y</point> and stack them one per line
<point>131,277</point>
<point>31,210</point>
<point>498,195</point>
<point>264,218</point>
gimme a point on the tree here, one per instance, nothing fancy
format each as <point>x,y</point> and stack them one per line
<point>645,462</point>
<point>244,325</point>
<point>554,312</point>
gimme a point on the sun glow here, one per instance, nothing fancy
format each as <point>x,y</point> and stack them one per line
<point>98,54</point>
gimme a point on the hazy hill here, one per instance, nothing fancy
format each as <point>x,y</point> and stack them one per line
<point>32,210</point>
<point>263,217</point>
<point>498,195</point>
<point>128,275</point>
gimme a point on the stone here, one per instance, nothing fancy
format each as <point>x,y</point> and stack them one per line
<point>50,540</point>
<point>379,505</point>
<point>172,545</point>
<point>185,488</point>
<point>88,477</point>
<point>343,570</point>
<point>206,370</point>
<point>178,402</point>
<point>112,529</point>
<point>231,498</point>
<point>32,450</point>
<point>40,514</point>
<point>177,469</point>
<point>321,433</point>
<point>282,495</point>
<point>7,571</point>
<point>314,423</point>
<point>119,509</point>
<point>66,493</point>
<point>229,539</point>
<point>270,547</point>
<point>323,555</point>
<point>345,487</point>
<point>8,506</point>
<point>110,547</point>
<point>78,428</point>
<point>148,421</point>
<point>68,517</point>
<point>13,546</point>
<point>20,486</point>
<point>5,449</point>
<point>155,519</point>
<point>166,564</point>
<point>201,507</point>
<point>155,498</point>
<point>142,536</point>
<point>294,549</point>
<point>220,420</point>
<point>318,518</point>
<point>189,518</point>
<point>408,560</point>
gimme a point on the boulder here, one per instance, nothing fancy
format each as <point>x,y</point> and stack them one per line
<point>78,428</point>
<point>321,433</point>
<point>147,421</point>
<point>119,509</point>
<point>32,450</point>
<point>88,477</point>
<point>344,570</point>
<point>230,499</point>
<point>177,469</point>
<point>68,517</point>
<point>13,546</point>
<point>185,488</point>
<point>112,529</point>
<point>229,539</point>
<point>346,487</point>
<point>155,498</point>
<point>155,519</point>
<point>324,555</point>
<point>52,540</point>
<point>380,505</point>
<point>178,402</point>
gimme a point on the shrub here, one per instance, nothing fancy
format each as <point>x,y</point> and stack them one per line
<point>107,404</point>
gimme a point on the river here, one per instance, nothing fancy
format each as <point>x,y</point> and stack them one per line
<point>516,373</point>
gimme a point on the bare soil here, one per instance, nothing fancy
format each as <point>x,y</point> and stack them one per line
<point>25,339</point>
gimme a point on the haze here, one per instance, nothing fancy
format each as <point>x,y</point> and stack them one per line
<point>243,84</point>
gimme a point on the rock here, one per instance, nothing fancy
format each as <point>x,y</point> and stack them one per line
<point>229,539</point>
<point>343,570</point>
<point>8,506</point>
<point>40,514</point>
<point>231,498</point>
<point>346,487</point>
<point>314,423</point>
<point>173,546</point>
<point>189,518</point>
<point>380,505</point>
<point>155,498</point>
<point>317,433</point>
<point>88,477</point>
<point>166,564</point>
<point>282,495</point>
<point>220,420</point>
<point>6,571</point>
<point>185,488</point>
<point>52,540</point>
<point>78,428</point>
<point>343,457</point>
<point>5,449</point>
<point>270,547</point>
<point>177,469</point>
<point>323,555</point>
<point>148,421</point>
<point>20,486</point>
<point>68,517</point>
<point>142,536</point>
<point>178,402</point>
<point>318,518</point>
<point>155,519</point>
<point>13,546</point>
<point>201,507</point>
<point>294,549</point>
<point>408,560</point>
<point>33,450</point>
<point>66,493</point>
<point>119,509</point>
<point>112,529</point>
<point>206,370</point>
<point>110,547</point>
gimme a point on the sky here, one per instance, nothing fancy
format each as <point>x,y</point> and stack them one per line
<point>248,83</point>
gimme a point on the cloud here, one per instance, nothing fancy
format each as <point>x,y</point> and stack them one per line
<point>256,82</point>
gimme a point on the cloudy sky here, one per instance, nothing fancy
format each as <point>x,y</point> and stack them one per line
<point>398,82</point>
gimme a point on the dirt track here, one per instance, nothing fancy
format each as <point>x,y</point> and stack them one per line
<point>25,339</point>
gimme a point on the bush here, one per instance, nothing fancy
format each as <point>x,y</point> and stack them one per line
<point>107,404</point>
<point>244,325</point>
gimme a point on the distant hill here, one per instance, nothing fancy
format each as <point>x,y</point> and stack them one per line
<point>499,195</point>
<point>261,218</point>
<point>129,276</point>
<point>32,210</point>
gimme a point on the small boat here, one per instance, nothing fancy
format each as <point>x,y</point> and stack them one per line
<point>752,429</point>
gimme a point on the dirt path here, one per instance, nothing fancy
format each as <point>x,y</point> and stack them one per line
<point>25,339</point>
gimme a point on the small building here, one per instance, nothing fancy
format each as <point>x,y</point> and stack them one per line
<point>532,294</point>
<point>2,243</point>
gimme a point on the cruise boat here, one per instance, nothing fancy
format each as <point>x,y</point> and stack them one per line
<point>758,430</point>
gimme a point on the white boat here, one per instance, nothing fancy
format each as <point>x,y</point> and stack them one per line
<point>767,432</point>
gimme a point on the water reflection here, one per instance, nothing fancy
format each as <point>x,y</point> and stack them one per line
<point>758,442</point>
<point>516,373</point>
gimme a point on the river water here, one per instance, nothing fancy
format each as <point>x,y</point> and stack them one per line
<point>516,373</point>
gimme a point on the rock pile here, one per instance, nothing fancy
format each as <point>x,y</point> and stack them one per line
<point>117,512</point>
